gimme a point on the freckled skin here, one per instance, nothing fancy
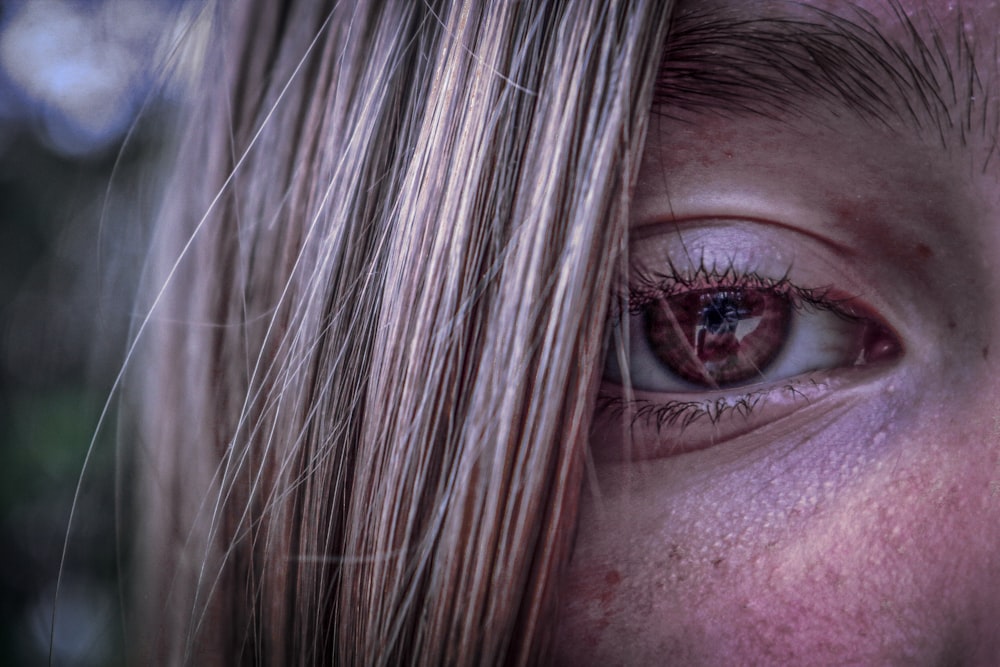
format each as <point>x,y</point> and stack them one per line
<point>865,528</point>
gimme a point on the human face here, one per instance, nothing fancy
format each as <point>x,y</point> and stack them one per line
<point>846,153</point>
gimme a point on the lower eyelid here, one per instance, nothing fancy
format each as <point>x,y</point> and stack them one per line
<point>645,425</point>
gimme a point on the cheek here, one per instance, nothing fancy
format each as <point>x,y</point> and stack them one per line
<point>899,565</point>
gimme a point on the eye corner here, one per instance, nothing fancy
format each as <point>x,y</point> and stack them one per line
<point>879,341</point>
<point>881,344</point>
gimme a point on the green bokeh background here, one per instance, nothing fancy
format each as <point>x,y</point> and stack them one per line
<point>72,236</point>
<point>87,96</point>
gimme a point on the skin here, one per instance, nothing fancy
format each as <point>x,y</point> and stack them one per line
<point>861,526</point>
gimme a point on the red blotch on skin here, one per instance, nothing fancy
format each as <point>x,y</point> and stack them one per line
<point>593,639</point>
<point>923,251</point>
<point>611,581</point>
<point>594,592</point>
<point>848,210</point>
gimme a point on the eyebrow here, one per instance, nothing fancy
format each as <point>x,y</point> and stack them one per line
<point>775,65</point>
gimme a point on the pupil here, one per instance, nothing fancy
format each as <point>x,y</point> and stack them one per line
<point>721,315</point>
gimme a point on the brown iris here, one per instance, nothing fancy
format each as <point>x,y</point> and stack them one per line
<point>718,337</point>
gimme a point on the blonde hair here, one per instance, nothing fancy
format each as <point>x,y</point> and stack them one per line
<point>377,306</point>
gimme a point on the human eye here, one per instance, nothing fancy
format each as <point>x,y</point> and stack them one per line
<point>724,327</point>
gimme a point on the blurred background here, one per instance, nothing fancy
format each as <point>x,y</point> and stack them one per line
<point>88,89</point>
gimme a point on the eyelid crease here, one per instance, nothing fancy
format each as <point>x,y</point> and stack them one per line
<point>645,229</point>
<point>741,250</point>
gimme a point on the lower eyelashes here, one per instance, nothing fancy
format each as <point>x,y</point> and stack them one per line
<point>634,426</point>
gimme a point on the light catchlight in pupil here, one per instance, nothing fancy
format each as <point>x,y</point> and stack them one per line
<point>718,337</point>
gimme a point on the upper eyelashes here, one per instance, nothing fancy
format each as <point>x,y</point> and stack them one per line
<point>715,330</point>
<point>646,284</point>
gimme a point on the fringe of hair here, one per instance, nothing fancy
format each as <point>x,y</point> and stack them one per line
<point>378,296</point>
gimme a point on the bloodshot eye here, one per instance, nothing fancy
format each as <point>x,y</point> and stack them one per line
<point>717,338</point>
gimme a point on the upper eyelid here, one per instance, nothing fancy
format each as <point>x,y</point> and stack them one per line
<point>665,256</point>
<point>642,231</point>
<point>644,289</point>
<point>716,247</point>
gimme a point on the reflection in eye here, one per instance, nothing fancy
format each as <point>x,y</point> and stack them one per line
<point>726,336</point>
<point>718,337</point>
